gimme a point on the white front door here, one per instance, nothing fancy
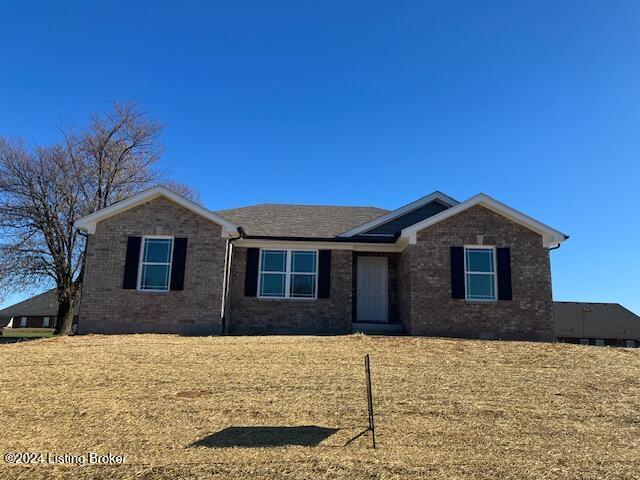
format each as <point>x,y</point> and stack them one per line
<point>371,305</point>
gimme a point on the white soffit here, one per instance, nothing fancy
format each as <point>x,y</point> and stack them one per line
<point>275,243</point>
<point>550,236</point>
<point>88,224</point>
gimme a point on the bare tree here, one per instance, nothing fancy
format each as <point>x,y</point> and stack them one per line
<point>113,156</point>
<point>43,190</point>
<point>38,205</point>
<point>184,190</point>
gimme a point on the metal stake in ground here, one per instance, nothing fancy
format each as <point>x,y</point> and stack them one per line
<point>372,425</point>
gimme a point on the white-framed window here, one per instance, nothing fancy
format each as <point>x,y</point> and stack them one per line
<point>23,321</point>
<point>154,271</point>
<point>288,274</point>
<point>480,273</point>
<point>304,274</point>
<point>45,322</point>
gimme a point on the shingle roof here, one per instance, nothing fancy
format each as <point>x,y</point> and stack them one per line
<point>308,221</point>
<point>42,305</point>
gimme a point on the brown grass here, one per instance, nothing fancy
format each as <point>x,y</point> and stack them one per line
<point>445,408</point>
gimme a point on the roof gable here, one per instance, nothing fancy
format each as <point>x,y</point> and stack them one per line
<point>393,227</point>
<point>550,237</point>
<point>398,218</point>
<point>88,223</point>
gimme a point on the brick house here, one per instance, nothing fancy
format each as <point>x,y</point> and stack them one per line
<point>593,323</point>
<point>38,311</point>
<point>157,262</point>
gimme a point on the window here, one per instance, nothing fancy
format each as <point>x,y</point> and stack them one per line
<point>23,321</point>
<point>480,273</point>
<point>288,273</point>
<point>303,274</point>
<point>273,273</point>
<point>45,322</point>
<point>155,264</point>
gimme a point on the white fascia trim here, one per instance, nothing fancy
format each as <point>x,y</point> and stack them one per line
<point>447,200</point>
<point>550,237</point>
<point>88,224</point>
<point>399,246</point>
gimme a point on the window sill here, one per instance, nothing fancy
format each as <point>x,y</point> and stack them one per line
<point>285,299</point>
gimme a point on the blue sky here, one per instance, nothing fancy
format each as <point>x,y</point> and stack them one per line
<point>364,103</point>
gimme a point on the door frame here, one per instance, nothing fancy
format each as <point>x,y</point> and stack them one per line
<point>384,260</point>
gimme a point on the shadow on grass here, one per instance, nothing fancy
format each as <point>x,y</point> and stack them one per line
<point>261,437</point>
<point>364,432</point>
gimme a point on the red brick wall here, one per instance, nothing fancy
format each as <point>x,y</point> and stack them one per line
<point>426,305</point>
<point>106,307</point>
<point>278,316</point>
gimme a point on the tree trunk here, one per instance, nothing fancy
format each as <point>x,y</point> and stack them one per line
<point>66,312</point>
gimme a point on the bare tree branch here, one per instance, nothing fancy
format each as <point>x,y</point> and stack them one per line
<point>44,189</point>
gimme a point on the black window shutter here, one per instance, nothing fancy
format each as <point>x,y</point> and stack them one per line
<point>178,263</point>
<point>324,274</point>
<point>504,273</point>
<point>457,272</point>
<point>251,272</point>
<point>130,278</point>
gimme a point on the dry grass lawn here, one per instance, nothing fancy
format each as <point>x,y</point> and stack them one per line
<point>445,408</point>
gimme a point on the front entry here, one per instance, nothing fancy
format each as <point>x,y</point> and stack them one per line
<point>372,302</point>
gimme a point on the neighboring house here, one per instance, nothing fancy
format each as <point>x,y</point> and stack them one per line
<point>36,312</point>
<point>596,323</point>
<point>157,262</point>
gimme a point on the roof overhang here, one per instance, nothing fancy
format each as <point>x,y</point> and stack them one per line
<point>321,244</point>
<point>88,224</point>
<point>435,196</point>
<point>551,238</point>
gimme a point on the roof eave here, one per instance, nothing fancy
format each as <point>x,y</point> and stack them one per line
<point>389,240</point>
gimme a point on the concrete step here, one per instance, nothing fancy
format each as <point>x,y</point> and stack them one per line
<point>378,328</point>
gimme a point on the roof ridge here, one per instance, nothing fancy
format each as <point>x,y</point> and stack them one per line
<point>301,205</point>
<point>592,303</point>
